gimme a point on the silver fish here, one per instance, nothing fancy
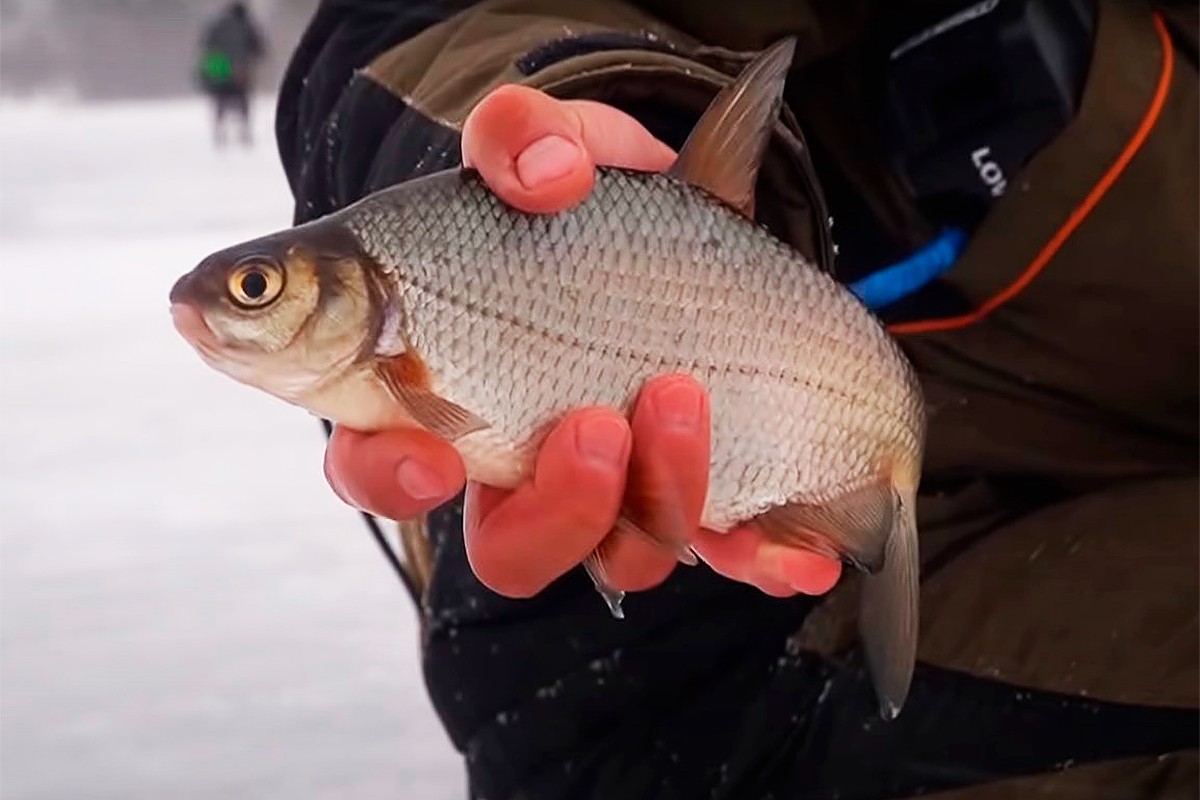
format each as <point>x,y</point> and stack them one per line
<point>432,303</point>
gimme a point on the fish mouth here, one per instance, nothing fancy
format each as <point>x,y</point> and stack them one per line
<point>195,330</point>
<point>192,327</point>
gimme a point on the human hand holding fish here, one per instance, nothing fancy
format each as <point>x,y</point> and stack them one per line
<point>454,309</point>
<point>539,155</point>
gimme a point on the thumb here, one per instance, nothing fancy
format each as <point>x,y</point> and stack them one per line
<point>539,154</point>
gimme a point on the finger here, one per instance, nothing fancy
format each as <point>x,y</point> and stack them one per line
<point>666,485</point>
<point>480,499</point>
<point>775,588</point>
<point>668,471</point>
<point>539,154</point>
<point>616,139</point>
<point>804,571</point>
<point>744,555</point>
<point>395,474</point>
<point>530,537</point>
<point>633,564</point>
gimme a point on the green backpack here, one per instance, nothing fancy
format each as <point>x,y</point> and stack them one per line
<point>215,69</point>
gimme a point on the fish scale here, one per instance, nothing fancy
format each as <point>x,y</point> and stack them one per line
<point>583,306</point>
<point>433,303</point>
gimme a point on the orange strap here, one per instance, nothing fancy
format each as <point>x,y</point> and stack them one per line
<point>1078,215</point>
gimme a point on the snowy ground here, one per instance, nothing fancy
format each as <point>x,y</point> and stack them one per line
<point>187,611</point>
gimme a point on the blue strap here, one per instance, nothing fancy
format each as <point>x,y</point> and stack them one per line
<point>895,281</point>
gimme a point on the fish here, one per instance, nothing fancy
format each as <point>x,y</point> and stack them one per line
<point>431,303</point>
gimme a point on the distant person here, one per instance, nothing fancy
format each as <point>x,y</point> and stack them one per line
<point>230,48</point>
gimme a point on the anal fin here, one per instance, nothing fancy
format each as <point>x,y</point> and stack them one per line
<point>854,526</point>
<point>875,529</point>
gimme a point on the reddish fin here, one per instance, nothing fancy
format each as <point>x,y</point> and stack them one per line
<point>407,379</point>
<point>725,149</point>
<point>854,526</point>
<point>594,566</point>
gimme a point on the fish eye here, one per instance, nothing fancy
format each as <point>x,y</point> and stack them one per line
<point>255,284</point>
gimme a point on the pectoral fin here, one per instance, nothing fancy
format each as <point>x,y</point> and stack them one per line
<point>408,382</point>
<point>723,153</point>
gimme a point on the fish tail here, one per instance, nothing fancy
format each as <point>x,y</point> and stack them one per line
<point>888,617</point>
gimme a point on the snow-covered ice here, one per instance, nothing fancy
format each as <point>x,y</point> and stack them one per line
<point>187,610</point>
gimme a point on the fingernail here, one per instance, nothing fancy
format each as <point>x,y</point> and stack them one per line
<point>678,405</point>
<point>547,159</point>
<point>418,481</point>
<point>602,440</point>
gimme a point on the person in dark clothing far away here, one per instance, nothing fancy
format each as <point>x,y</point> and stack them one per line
<point>1013,188</point>
<point>231,46</point>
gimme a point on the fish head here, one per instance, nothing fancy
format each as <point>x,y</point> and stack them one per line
<point>289,314</point>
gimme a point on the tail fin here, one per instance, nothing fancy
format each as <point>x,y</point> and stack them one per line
<point>888,618</point>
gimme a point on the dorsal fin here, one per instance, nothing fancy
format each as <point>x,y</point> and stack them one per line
<point>725,149</point>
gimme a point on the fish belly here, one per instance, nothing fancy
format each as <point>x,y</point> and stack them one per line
<point>799,432</point>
